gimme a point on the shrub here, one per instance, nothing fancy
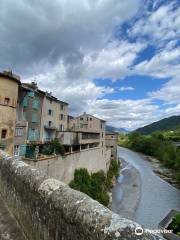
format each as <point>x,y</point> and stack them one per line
<point>53,147</point>
<point>175,224</point>
<point>97,184</point>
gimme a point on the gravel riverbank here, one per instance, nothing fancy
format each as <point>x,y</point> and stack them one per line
<point>127,191</point>
<point>161,171</point>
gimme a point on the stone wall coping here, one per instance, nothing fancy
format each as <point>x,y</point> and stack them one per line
<point>83,216</point>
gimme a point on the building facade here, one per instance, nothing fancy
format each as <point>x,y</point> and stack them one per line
<point>84,132</point>
<point>30,116</point>
<point>9,85</point>
<point>111,143</point>
<point>54,117</point>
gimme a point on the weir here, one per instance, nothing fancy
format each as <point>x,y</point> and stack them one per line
<point>47,209</point>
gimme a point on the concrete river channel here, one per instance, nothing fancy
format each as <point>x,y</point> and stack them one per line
<point>141,195</point>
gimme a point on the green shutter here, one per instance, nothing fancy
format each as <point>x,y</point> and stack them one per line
<point>35,104</point>
<point>22,151</point>
<point>31,94</point>
<point>25,102</point>
<point>34,118</point>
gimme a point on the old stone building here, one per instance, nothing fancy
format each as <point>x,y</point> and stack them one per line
<point>90,129</point>
<point>54,117</point>
<point>9,85</point>
<point>111,143</point>
<point>44,113</point>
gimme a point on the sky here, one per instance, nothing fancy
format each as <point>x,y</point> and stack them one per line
<point>118,60</point>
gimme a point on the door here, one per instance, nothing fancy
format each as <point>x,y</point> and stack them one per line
<point>16,150</point>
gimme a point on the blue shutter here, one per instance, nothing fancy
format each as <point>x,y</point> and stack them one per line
<point>36,134</point>
<point>30,133</point>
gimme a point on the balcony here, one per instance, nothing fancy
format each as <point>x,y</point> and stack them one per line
<point>77,138</point>
<point>48,127</point>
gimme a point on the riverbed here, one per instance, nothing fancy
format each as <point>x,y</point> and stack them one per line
<point>155,196</point>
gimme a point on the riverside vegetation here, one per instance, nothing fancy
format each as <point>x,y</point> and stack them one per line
<point>96,185</point>
<point>159,145</point>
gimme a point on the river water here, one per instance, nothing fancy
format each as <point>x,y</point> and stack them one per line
<point>157,196</point>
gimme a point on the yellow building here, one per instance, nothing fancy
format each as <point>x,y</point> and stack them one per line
<point>9,84</point>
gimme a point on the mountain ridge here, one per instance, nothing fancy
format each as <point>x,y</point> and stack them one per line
<point>169,123</point>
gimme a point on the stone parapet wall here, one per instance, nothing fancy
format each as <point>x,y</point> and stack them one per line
<point>48,209</point>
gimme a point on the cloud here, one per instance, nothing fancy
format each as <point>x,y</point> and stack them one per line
<point>35,35</point>
<point>125,113</point>
<point>169,93</point>
<point>165,63</point>
<point>160,25</point>
<point>66,45</point>
<point>122,89</point>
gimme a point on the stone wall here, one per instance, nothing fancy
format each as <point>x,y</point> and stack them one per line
<point>62,168</point>
<point>48,209</point>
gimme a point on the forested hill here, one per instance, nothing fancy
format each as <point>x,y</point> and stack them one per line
<point>165,124</point>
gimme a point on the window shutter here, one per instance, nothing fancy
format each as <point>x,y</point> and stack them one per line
<point>31,94</point>
<point>22,151</point>
<point>34,118</point>
<point>35,104</point>
<point>25,102</point>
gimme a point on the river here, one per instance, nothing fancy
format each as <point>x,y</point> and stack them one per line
<point>157,197</point>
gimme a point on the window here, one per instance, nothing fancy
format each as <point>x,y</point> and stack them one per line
<point>50,124</point>
<point>62,107</point>
<point>61,127</point>
<point>81,119</point>
<point>16,150</point>
<point>90,119</point>
<point>33,134</point>
<point>19,132</point>
<point>6,101</point>
<point>62,116</point>
<point>50,112</point>
<point>3,133</point>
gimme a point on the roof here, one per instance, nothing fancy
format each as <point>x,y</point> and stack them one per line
<point>48,95</point>
<point>11,76</point>
<point>111,133</point>
<point>89,115</point>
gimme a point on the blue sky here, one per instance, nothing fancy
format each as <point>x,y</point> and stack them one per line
<point>117,60</point>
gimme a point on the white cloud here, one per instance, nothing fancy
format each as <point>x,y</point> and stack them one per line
<point>125,113</point>
<point>160,25</point>
<point>169,93</point>
<point>164,64</point>
<point>122,89</point>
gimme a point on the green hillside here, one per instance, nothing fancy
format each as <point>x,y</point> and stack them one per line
<point>165,124</point>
